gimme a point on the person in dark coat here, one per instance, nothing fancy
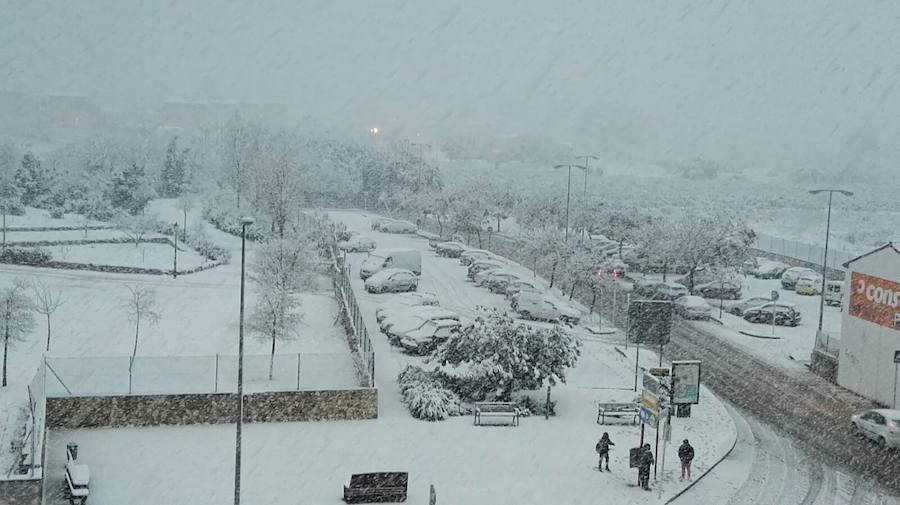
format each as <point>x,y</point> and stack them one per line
<point>644,464</point>
<point>686,455</point>
<point>602,449</point>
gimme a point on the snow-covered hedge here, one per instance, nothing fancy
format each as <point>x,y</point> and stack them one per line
<point>425,397</point>
<point>199,241</point>
<point>24,256</point>
<point>218,210</point>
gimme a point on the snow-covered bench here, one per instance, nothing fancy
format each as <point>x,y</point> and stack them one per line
<point>616,410</point>
<point>376,487</point>
<point>78,478</point>
<point>497,409</point>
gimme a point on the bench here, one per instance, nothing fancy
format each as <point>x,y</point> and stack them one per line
<point>616,410</point>
<point>78,478</point>
<point>376,487</point>
<point>498,410</point>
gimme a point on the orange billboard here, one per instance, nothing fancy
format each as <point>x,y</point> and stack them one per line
<point>875,299</point>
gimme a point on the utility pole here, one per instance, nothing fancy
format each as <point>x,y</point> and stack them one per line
<point>831,193</point>
<point>586,158</point>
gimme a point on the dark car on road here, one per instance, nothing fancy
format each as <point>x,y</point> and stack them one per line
<point>785,314</point>
<point>726,290</point>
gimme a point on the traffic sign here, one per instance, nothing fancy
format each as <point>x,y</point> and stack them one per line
<point>648,417</point>
<point>896,356</point>
<point>649,401</point>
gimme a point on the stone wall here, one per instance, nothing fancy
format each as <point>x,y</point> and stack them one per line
<point>824,365</point>
<point>21,492</point>
<point>835,275</point>
<point>172,410</point>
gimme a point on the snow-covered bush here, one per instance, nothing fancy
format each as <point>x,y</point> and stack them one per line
<point>219,210</point>
<point>199,241</point>
<point>24,256</point>
<point>425,397</point>
<point>529,406</point>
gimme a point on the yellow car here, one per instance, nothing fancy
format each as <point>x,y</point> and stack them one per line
<point>808,286</point>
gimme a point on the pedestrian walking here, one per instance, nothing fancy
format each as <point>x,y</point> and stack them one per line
<point>686,455</point>
<point>644,464</point>
<point>602,449</point>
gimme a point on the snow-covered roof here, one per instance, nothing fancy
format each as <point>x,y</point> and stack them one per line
<point>873,251</point>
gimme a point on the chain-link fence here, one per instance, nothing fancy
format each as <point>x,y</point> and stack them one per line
<point>802,251</point>
<point>99,376</point>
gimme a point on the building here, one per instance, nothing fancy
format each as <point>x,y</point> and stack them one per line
<point>870,325</point>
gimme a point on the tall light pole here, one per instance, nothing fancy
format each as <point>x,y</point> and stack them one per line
<point>175,248</point>
<point>586,158</point>
<point>568,192</point>
<point>246,221</point>
<point>831,193</point>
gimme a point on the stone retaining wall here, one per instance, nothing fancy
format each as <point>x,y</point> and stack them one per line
<point>824,365</point>
<point>74,412</point>
<point>21,492</point>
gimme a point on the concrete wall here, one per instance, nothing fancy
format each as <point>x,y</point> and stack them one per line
<point>867,349</point>
<point>172,410</point>
<point>824,365</point>
<point>21,492</point>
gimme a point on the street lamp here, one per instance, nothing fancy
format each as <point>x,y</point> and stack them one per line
<point>568,191</point>
<point>831,193</point>
<point>586,158</point>
<point>246,221</point>
<point>175,248</point>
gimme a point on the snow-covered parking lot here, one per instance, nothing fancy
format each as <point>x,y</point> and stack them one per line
<point>540,461</point>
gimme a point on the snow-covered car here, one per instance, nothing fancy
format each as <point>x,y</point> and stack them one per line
<point>692,307</point>
<point>770,269</point>
<point>790,276</point>
<point>498,282</point>
<point>545,308</point>
<point>411,323</point>
<point>399,302</point>
<point>357,244</point>
<point>449,249</point>
<point>404,317</point>
<point>808,285</point>
<point>472,255</point>
<point>482,265</point>
<point>392,280</point>
<point>786,314</point>
<point>377,223</point>
<point>424,339</point>
<point>880,425</point>
<point>399,227</point>
<point>719,289</point>
<point>670,291</point>
<point>738,309</point>
<point>482,278</point>
<point>519,285</point>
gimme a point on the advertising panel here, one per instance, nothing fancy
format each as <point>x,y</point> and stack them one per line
<point>875,300</point>
<point>685,382</point>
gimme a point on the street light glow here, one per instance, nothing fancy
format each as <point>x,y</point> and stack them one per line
<point>374,130</point>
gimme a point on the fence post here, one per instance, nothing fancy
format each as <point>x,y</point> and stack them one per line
<point>216,383</point>
<point>298,371</point>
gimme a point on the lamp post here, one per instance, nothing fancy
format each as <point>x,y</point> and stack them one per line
<point>831,193</point>
<point>586,158</point>
<point>568,192</point>
<point>175,248</point>
<point>240,371</point>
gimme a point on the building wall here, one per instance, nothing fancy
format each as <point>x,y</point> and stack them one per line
<point>73,412</point>
<point>867,349</point>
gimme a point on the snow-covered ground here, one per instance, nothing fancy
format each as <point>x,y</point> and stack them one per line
<point>540,461</point>
<point>145,255</point>
<point>36,236</point>
<point>198,318</point>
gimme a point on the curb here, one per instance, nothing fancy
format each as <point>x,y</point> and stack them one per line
<point>742,332</point>
<point>711,468</point>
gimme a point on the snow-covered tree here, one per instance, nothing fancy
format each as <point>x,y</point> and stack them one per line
<point>277,179</point>
<point>502,356</point>
<point>33,180</point>
<point>136,227</point>
<point>186,202</point>
<point>709,240</point>
<point>174,171</point>
<point>16,317</point>
<point>140,305</point>
<point>46,301</point>
<point>240,150</point>
<point>131,190</point>
<point>281,270</point>
<point>545,246</point>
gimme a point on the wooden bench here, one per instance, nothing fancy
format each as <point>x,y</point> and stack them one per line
<point>498,410</point>
<point>616,410</point>
<point>376,487</point>
<point>78,478</point>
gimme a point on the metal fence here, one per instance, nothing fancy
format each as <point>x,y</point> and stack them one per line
<point>102,376</point>
<point>802,251</point>
<point>828,343</point>
<point>28,444</point>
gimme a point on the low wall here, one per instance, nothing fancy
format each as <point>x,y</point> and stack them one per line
<point>824,365</point>
<point>833,274</point>
<point>21,492</point>
<point>74,412</point>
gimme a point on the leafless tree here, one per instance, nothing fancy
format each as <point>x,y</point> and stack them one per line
<point>136,227</point>
<point>140,306</point>
<point>16,317</point>
<point>46,301</point>
<point>185,204</point>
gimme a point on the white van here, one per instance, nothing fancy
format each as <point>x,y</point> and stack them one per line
<point>407,259</point>
<point>834,293</point>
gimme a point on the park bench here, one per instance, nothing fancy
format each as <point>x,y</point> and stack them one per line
<point>616,410</point>
<point>498,410</point>
<point>376,487</point>
<point>78,478</point>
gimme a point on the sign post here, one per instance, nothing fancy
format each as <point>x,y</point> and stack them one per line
<point>774,299</point>
<point>896,367</point>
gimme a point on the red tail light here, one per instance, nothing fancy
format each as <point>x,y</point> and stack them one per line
<point>891,425</point>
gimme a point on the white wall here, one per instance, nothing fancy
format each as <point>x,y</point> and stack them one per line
<point>867,349</point>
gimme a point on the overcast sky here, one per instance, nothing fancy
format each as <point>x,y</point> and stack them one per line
<point>768,82</point>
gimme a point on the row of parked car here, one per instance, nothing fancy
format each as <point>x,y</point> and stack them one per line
<point>388,225</point>
<point>416,322</point>
<point>528,297</point>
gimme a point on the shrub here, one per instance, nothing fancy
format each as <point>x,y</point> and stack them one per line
<point>14,208</point>
<point>24,256</point>
<point>529,406</point>
<point>218,210</point>
<point>199,241</point>
<point>57,212</point>
<point>425,397</point>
